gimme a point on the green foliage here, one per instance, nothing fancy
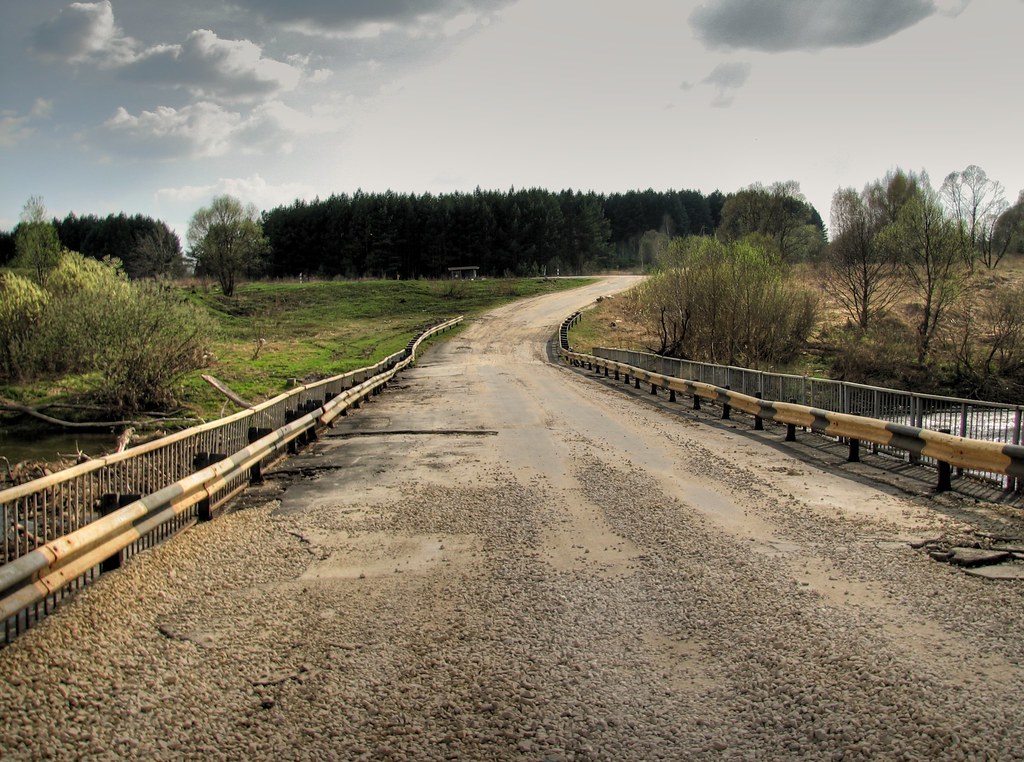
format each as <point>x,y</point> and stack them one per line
<point>22,302</point>
<point>36,244</point>
<point>521,231</point>
<point>732,303</point>
<point>226,240</point>
<point>131,340</point>
<point>37,248</point>
<point>781,214</point>
<point>322,328</point>
<point>154,337</point>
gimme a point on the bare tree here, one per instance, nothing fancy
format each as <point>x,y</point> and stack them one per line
<point>930,247</point>
<point>975,202</point>
<point>862,275</point>
<point>985,339</point>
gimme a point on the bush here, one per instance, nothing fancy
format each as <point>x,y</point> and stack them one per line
<point>883,355</point>
<point>134,339</point>
<point>76,328</point>
<point>21,305</point>
<point>733,304</point>
<point>155,337</point>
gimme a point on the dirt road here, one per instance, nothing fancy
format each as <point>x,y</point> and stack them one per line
<point>502,559</point>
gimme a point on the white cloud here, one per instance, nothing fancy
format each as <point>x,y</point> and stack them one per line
<point>206,129</point>
<point>199,130</point>
<point>83,32</point>
<point>209,66</point>
<point>15,127</point>
<point>205,64</point>
<point>252,189</point>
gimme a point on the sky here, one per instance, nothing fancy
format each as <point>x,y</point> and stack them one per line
<point>154,107</point>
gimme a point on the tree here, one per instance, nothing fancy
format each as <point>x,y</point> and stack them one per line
<point>779,212</point>
<point>890,194</point>
<point>1007,235</point>
<point>157,252</point>
<point>985,341</point>
<point>226,240</point>
<point>862,275</point>
<point>37,247</point>
<point>975,202</point>
<point>930,248</point>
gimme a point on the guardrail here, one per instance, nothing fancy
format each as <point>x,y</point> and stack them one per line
<point>74,524</point>
<point>968,418</point>
<point>944,448</point>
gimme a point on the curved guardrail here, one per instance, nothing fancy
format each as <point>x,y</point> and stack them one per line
<point>37,576</point>
<point>947,449</point>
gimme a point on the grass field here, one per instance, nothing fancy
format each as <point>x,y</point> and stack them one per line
<point>271,334</point>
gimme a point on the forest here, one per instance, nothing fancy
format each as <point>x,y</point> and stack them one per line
<point>518,232</point>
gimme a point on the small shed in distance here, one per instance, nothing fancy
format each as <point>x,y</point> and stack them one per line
<point>463,273</point>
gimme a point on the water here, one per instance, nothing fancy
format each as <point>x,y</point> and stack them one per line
<point>18,444</point>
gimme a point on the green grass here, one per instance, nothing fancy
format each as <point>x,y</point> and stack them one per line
<point>319,329</point>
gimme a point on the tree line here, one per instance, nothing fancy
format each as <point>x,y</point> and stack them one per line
<point>145,247</point>
<point>397,235</point>
<point>518,232</point>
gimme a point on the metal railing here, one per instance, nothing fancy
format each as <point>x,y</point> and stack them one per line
<point>990,421</point>
<point>45,520</point>
<point>981,438</point>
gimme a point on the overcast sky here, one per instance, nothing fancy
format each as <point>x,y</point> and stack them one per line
<point>156,106</point>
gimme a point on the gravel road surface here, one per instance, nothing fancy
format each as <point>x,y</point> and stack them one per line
<point>503,558</point>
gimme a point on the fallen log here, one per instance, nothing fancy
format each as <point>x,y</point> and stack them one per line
<point>6,404</point>
<point>223,389</point>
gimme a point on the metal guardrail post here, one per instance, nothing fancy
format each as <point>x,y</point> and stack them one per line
<point>255,434</point>
<point>945,483</point>
<point>791,427</point>
<point>109,503</point>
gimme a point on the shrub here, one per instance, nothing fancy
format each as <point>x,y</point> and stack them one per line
<point>732,303</point>
<point>135,339</point>
<point>154,337</point>
<point>21,305</point>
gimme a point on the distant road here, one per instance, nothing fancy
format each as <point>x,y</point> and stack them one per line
<point>500,559</point>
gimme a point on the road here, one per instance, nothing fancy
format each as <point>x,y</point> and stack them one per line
<point>502,558</point>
